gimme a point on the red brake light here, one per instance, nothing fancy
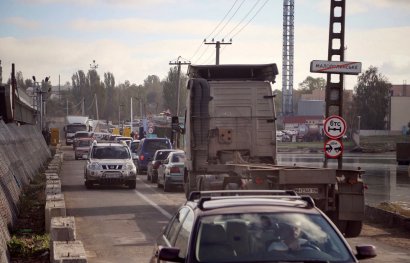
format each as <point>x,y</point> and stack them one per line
<point>258,180</point>
<point>174,170</point>
<point>142,157</point>
<point>156,165</point>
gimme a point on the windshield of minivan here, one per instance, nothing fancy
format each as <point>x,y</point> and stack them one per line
<point>154,145</point>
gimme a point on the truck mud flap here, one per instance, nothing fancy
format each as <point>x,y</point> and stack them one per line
<point>350,201</point>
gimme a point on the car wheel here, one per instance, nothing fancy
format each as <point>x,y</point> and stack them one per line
<point>88,184</point>
<point>167,186</point>
<point>76,157</point>
<point>149,177</point>
<point>132,184</point>
<point>158,184</point>
<point>154,178</point>
<point>353,228</point>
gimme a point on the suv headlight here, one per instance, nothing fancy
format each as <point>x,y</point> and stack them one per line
<point>130,166</point>
<point>94,166</point>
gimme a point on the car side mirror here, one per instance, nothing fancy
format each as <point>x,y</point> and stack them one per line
<point>365,252</point>
<point>169,254</point>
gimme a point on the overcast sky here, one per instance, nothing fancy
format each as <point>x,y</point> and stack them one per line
<point>136,38</point>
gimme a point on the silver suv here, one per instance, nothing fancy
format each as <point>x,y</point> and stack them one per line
<point>110,163</point>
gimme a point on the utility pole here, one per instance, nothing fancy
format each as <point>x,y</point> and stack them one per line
<point>179,63</point>
<point>217,47</point>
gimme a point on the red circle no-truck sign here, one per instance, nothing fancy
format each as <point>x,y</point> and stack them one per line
<point>333,148</point>
<point>334,127</point>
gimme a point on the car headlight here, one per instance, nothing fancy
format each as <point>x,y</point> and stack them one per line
<point>130,167</point>
<point>94,166</point>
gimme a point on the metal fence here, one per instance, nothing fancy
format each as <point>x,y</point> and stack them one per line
<point>23,151</point>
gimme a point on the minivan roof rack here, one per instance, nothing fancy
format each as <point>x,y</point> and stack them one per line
<point>204,196</point>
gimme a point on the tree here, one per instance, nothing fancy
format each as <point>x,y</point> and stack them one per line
<point>371,99</point>
<point>310,84</point>
<point>109,82</point>
<point>170,85</point>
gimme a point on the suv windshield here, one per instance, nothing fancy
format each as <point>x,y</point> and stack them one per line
<point>110,152</point>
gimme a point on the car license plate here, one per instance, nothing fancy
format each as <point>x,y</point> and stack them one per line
<point>112,175</point>
<point>306,190</point>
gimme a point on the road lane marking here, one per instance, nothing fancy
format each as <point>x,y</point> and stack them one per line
<point>160,209</point>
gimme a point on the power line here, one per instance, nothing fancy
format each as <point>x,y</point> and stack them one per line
<point>215,28</point>
<point>243,19</point>
<point>236,11</point>
<point>257,12</point>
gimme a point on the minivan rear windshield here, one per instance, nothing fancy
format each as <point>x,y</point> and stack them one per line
<point>153,146</point>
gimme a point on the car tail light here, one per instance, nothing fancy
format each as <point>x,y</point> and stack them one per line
<point>259,180</point>
<point>142,157</point>
<point>156,165</point>
<point>174,170</point>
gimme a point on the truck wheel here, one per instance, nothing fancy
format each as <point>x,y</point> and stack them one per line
<point>353,228</point>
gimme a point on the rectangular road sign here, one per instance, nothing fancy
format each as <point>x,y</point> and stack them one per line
<point>341,67</point>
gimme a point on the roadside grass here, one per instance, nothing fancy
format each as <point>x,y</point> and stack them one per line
<point>396,207</point>
<point>29,242</point>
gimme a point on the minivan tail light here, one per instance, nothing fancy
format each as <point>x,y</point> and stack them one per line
<point>142,157</point>
<point>174,170</point>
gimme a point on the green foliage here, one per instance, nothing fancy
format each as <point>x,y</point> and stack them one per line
<point>371,99</point>
<point>26,246</point>
<point>170,85</point>
<point>310,84</point>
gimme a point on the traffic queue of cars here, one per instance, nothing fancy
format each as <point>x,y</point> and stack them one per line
<point>220,226</point>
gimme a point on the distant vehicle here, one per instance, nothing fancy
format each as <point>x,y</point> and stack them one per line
<point>147,149</point>
<point>102,136</point>
<point>152,168</point>
<point>171,171</point>
<point>134,145</point>
<point>128,140</point>
<point>253,226</point>
<point>83,147</point>
<point>81,134</point>
<point>112,137</point>
<point>74,124</point>
<point>110,163</point>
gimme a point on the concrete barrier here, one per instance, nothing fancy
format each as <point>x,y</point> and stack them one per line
<point>54,209</point>
<point>67,252</point>
<point>62,229</point>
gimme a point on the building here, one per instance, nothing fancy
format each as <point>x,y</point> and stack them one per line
<point>399,108</point>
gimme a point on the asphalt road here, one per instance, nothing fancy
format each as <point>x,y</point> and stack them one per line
<point>118,225</point>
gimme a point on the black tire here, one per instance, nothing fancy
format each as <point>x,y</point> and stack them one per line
<point>76,157</point>
<point>88,184</point>
<point>353,228</point>
<point>167,186</point>
<point>149,178</point>
<point>158,184</point>
<point>154,179</point>
<point>132,184</point>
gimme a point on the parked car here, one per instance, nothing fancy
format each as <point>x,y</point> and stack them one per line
<point>152,167</point>
<point>112,137</point>
<point>110,163</point>
<point>253,226</point>
<point>171,171</point>
<point>83,147</point>
<point>147,149</point>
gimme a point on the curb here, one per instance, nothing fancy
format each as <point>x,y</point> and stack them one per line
<point>386,218</point>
